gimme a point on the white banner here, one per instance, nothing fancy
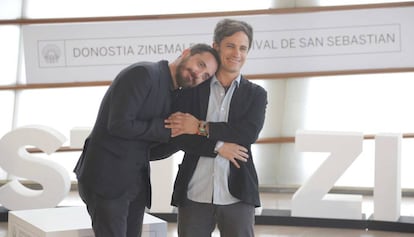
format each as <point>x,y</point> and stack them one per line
<point>323,41</point>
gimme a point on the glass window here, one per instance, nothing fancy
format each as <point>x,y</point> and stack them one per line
<point>371,104</point>
<point>6,117</point>
<point>92,8</point>
<point>354,2</point>
<point>61,109</point>
<point>362,103</point>
<point>368,103</point>
<point>10,9</point>
<point>9,48</point>
<point>6,107</point>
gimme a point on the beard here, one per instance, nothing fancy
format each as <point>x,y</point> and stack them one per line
<point>179,76</point>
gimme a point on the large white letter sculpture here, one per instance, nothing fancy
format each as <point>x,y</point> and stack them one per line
<point>387,189</point>
<point>15,159</point>
<point>311,199</point>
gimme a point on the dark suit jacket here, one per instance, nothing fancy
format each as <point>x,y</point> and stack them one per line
<point>245,121</point>
<point>130,119</point>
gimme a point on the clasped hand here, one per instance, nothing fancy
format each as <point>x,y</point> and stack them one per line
<point>185,123</point>
<point>181,123</point>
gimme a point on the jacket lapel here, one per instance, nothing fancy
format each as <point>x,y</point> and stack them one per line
<point>203,98</point>
<point>237,98</point>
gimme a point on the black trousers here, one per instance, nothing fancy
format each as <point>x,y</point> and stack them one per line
<point>200,219</point>
<point>119,217</point>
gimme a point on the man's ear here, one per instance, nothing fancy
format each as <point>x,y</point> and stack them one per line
<point>215,46</point>
<point>185,52</point>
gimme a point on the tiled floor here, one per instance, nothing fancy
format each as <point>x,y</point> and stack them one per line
<point>282,201</point>
<point>288,231</point>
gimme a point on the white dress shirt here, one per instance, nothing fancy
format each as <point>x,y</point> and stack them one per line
<point>209,183</point>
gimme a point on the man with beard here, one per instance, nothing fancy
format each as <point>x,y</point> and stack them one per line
<point>113,169</point>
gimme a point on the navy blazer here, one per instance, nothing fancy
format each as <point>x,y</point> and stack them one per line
<point>245,121</point>
<point>130,119</point>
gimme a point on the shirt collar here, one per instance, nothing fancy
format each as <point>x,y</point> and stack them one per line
<point>235,81</point>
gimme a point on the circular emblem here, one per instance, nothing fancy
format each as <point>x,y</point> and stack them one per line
<point>51,53</point>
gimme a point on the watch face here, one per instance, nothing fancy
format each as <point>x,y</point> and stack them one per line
<point>202,130</point>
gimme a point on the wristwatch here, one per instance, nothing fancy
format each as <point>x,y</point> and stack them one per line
<point>202,128</point>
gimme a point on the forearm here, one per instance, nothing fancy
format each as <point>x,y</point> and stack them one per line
<point>150,130</point>
<point>163,151</point>
<point>196,144</point>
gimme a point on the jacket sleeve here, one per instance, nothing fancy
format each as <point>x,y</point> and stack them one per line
<point>245,122</point>
<point>128,95</point>
<point>163,151</point>
<point>192,144</point>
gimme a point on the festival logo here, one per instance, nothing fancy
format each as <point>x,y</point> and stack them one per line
<point>51,53</point>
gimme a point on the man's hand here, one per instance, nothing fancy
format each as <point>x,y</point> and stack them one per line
<point>233,152</point>
<point>181,123</point>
